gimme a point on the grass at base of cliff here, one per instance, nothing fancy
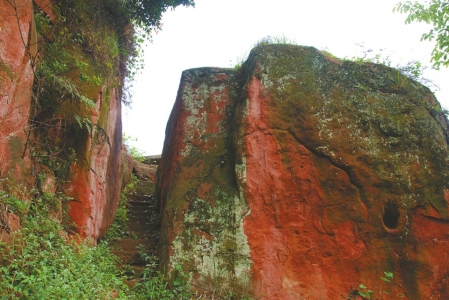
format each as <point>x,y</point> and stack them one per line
<point>42,262</point>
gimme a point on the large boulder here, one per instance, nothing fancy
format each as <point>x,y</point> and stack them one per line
<point>304,176</point>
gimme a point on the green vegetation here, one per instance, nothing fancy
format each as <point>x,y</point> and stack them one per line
<point>239,61</point>
<point>153,285</point>
<point>436,13</point>
<point>276,40</point>
<point>43,262</point>
<point>267,40</point>
<point>366,293</point>
<point>146,14</point>
<point>135,153</point>
<point>92,47</point>
<point>411,70</point>
<point>119,228</point>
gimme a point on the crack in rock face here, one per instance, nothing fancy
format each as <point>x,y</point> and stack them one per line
<point>303,176</point>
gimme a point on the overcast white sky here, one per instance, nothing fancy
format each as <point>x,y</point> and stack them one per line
<point>220,32</point>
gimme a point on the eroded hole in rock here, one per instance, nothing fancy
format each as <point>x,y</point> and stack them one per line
<point>391,215</point>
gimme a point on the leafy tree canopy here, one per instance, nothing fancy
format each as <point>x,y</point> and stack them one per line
<point>147,13</point>
<point>436,13</point>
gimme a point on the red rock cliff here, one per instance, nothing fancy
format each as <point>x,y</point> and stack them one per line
<point>91,148</point>
<point>17,43</point>
<point>302,177</point>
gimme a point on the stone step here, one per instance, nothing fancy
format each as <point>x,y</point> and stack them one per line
<point>130,257</point>
<point>137,203</point>
<point>143,216</point>
<point>141,198</point>
<point>141,220</point>
<point>141,207</point>
<point>137,213</point>
<point>145,230</point>
<point>136,244</point>
<point>133,258</point>
<point>144,226</point>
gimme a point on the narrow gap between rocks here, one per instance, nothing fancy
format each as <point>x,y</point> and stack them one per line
<point>144,222</point>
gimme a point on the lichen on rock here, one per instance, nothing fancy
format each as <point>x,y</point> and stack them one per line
<point>319,175</point>
<point>197,179</point>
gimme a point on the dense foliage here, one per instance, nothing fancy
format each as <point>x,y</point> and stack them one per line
<point>148,13</point>
<point>436,13</point>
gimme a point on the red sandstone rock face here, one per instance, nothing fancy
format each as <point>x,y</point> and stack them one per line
<point>333,173</point>
<point>95,178</point>
<point>16,80</point>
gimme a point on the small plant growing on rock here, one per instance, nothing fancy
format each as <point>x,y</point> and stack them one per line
<point>411,70</point>
<point>366,293</point>
<point>267,40</point>
<point>276,40</point>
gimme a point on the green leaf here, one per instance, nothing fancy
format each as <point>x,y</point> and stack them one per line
<point>78,119</point>
<point>435,13</point>
<point>88,127</point>
<point>363,294</point>
<point>87,101</point>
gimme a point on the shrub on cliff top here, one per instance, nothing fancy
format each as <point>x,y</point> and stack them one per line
<point>148,13</point>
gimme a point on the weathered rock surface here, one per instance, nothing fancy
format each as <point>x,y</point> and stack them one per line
<point>202,205</point>
<point>95,177</point>
<point>303,176</point>
<point>16,80</point>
